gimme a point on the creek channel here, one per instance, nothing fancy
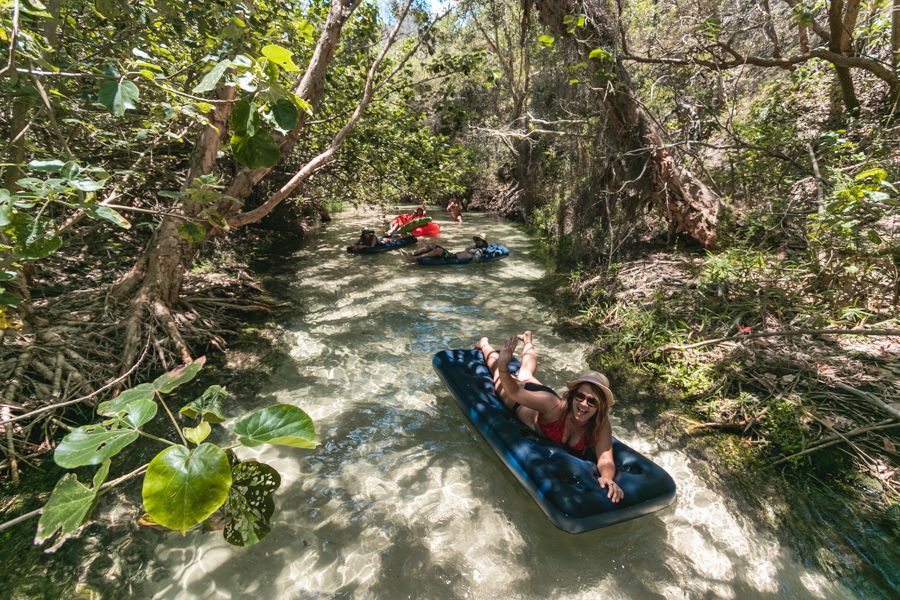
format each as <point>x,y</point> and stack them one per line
<point>403,499</point>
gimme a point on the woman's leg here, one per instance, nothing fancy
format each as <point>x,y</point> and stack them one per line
<point>421,253</point>
<point>490,359</point>
<point>526,415</point>
<point>529,359</point>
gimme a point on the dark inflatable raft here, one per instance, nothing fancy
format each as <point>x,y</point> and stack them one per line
<point>492,252</point>
<point>383,246</point>
<point>563,485</point>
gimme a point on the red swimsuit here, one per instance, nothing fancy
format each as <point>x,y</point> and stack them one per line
<point>556,430</point>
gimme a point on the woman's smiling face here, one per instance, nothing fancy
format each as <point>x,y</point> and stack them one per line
<point>585,403</point>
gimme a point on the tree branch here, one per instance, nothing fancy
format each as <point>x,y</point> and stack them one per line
<point>876,67</point>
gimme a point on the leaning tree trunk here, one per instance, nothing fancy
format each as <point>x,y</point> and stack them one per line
<point>310,87</point>
<point>154,282</point>
<point>651,169</point>
<point>895,37</point>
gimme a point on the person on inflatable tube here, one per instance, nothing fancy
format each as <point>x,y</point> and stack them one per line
<point>434,250</point>
<point>579,420</point>
<point>399,221</point>
<point>367,239</point>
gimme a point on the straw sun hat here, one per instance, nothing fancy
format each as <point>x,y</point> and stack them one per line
<point>479,236</point>
<point>598,379</point>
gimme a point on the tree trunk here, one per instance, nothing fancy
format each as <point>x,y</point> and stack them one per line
<point>651,169</point>
<point>895,37</point>
<point>326,156</point>
<point>836,42</point>
<point>514,58</point>
<point>769,28</point>
<point>154,282</point>
<point>804,37</point>
<point>16,156</point>
<point>310,87</point>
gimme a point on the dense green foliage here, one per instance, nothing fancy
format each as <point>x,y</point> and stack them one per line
<point>791,125</point>
<point>184,483</point>
<point>105,100</point>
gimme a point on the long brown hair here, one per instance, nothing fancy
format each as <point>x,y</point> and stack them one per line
<point>596,423</point>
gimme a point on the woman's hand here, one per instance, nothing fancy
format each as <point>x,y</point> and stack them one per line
<point>506,352</point>
<point>615,492</point>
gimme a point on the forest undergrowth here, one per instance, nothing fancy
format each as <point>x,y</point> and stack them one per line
<point>776,360</point>
<point>65,367</point>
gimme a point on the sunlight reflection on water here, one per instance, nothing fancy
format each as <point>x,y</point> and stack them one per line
<point>404,500</point>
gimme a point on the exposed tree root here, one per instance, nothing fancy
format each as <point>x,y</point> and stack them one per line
<point>58,372</point>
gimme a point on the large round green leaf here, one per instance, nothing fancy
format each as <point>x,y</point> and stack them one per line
<point>192,231</point>
<point>243,118</point>
<point>280,56</point>
<point>211,79</point>
<point>208,406</point>
<point>108,214</point>
<point>69,506</point>
<point>47,166</point>
<point>183,487</point>
<point>118,96</point>
<point>136,405</point>
<point>285,114</point>
<point>281,425</point>
<point>250,504</point>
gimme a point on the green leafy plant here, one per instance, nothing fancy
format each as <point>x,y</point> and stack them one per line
<point>187,483</point>
<point>28,217</point>
<point>849,239</point>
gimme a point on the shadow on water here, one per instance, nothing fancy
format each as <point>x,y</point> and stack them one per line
<point>403,498</point>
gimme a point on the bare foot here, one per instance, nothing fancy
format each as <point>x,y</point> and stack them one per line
<point>482,343</point>
<point>526,337</point>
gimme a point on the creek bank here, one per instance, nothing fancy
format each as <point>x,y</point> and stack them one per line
<point>830,509</point>
<point>242,359</point>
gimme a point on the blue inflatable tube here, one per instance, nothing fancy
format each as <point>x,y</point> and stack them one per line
<point>383,246</point>
<point>492,252</point>
<point>563,485</point>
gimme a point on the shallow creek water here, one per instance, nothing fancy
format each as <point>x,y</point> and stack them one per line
<point>404,500</point>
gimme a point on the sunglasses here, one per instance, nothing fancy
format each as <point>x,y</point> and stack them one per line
<point>591,400</point>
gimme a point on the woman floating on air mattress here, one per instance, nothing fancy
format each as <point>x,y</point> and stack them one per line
<point>579,421</point>
<point>549,443</point>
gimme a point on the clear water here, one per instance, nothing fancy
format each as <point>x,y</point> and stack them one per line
<point>404,500</point>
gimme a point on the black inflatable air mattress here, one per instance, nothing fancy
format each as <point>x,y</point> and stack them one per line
<point>563,485</point>
<point>492,252</point>
<point>383,246</point>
